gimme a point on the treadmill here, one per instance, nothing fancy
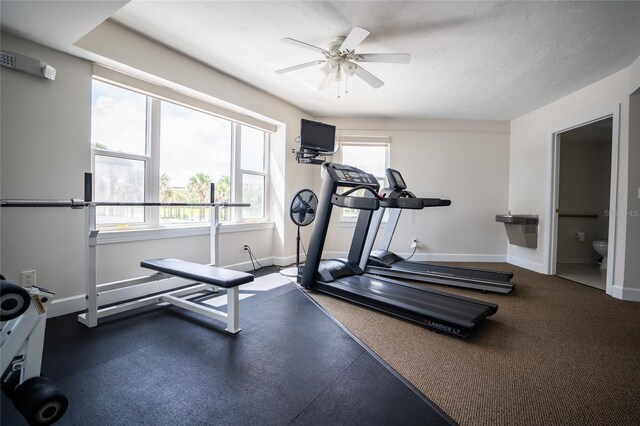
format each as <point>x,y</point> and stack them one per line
<point>343,278</point>
<point>388,264</point>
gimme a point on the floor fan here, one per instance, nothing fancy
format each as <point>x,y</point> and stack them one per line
<point>302,212</point>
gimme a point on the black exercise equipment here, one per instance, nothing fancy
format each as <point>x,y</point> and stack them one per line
<point>388,264</point>
<point>14,301</point>
<point>40,401</point>
<point>437,310</point>
<point>23,313</point>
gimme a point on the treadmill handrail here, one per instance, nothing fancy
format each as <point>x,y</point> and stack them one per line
<point>435,202</point>
<point>364,187</point>
<point>359,203</point>
<point>402,203</point>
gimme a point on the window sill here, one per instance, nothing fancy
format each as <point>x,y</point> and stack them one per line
<point>113,237</point>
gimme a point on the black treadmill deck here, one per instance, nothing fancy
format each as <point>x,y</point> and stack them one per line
<point>437,310</point>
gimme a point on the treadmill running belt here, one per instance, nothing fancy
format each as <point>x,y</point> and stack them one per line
<point>483,274</point>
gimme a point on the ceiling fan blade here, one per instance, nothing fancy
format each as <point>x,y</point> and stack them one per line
<point>324,85</point>
<point>390,58</point>
<point>304,45</point>
<point>297,67</point>
<point>355,37</point>
<point>369,78</point>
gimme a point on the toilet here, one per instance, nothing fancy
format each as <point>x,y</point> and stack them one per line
<point>602,248</point>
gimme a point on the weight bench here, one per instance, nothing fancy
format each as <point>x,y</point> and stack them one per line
<point>210,276</point>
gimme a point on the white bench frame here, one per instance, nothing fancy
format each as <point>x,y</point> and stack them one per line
<point>176,297</point>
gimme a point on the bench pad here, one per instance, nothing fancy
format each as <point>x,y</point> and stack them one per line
<point>196,271</point>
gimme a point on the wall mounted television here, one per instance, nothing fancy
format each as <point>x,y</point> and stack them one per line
<point>316,136</point>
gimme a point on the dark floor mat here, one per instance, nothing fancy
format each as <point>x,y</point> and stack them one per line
<point>290,362</point>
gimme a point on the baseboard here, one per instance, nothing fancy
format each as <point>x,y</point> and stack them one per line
<point>77,304</point>
<point>526,264</point>
<point>287,260</point>
<point>67,305</point>
<point>266,261</point>
<point>434,257</point>
<point>623,293</point>
<point>248,266</point>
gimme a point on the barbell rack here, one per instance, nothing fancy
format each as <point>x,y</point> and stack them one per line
<point>93,311</point>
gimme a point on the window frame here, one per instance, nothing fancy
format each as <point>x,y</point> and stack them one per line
<point>237,172</point>
<point>364,142</point>
<point>152,162</point>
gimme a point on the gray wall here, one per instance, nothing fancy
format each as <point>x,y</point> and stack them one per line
<point>632,272</point>
<point>45,150</point>
<point>585,176</point>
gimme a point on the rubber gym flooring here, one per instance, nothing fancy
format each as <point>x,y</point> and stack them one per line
<point>291,363</point>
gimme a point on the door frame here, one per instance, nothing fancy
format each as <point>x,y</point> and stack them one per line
<point>554,189</point>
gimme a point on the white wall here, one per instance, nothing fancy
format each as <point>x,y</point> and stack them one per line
<point>45,149</point>
<point>530,161</point>
<point>464,161</point>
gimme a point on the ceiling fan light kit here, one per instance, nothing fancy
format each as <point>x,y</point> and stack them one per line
<point>340,60</point>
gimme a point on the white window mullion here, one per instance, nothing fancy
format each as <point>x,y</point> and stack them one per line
<point>236,172</point>
<point>265,194</point>
<point>152,193</point>
<point>104,153</point>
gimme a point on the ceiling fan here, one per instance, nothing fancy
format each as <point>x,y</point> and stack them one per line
<point>341,60</point>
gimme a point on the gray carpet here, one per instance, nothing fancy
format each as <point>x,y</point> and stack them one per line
<point>555,353</point>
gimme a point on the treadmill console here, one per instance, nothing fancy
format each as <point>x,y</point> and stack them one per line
<point>345,175</point>
<point>396,182</point>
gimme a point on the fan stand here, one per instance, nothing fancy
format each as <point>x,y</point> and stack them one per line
<point>304,214</point>
<point>295,271</point>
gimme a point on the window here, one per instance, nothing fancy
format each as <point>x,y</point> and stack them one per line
<point>120,151</point>
<point>195,149</point>
<point>252,172</point>
<point>151,149</point>
<point>370,157</point>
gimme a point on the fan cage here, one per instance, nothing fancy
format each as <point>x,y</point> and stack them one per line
<point>303,207</point>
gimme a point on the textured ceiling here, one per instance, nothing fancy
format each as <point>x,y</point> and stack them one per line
<point>470,60</point>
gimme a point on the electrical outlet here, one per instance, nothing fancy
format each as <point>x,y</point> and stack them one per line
<point>245,247</point>
<point>414,242</point>
<point>28,278</point>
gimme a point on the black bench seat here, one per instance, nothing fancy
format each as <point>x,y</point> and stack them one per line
<point>205,275</point>
<point>208,274</point>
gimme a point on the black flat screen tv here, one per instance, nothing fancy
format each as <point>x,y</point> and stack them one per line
<point>316,136</point>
